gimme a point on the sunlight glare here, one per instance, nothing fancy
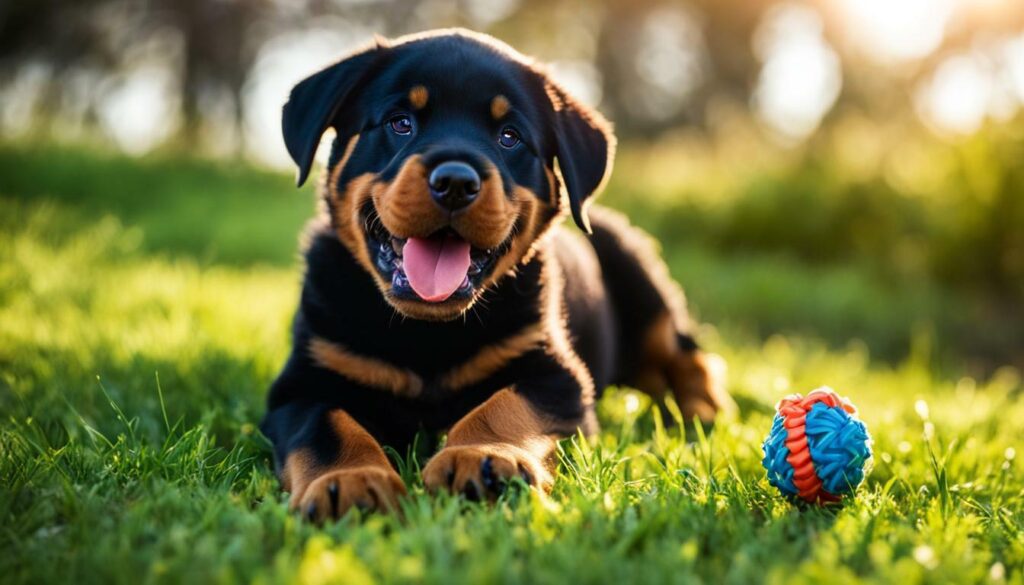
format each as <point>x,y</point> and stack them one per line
<point>580,78</point>
<point>282,62</point>
<point>670,61</point>
<point>956,99</point>
<point>139,112</point>
<point>899,30</point>
<point>1014,56</point>
<point>801,76</point>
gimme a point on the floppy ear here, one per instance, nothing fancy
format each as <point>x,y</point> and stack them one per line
<point>585,149</point>
<point>315,104</point>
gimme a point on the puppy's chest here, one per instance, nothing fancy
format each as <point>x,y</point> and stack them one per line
<point>427,365</point>
<point>356,334</point>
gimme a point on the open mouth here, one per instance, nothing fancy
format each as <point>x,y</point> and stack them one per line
<point>440,267</point>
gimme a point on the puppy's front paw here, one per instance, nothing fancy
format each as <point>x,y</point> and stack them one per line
<point>333,493</point>
<point>483,471</point>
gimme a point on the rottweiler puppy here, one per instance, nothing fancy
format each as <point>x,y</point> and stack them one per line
<point>441,292</point>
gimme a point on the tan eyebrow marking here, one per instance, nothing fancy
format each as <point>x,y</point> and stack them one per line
<point>418,97</point>
<point>499,107</point>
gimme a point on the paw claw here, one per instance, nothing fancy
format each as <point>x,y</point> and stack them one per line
<point>487,474</point>
<point>481,472</point>
<point>332,495</point>
<point>525,475</point>
<point>335,492</point>
<point>470,491</point>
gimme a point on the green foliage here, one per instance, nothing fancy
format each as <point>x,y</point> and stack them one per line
<point>211,211</point>
<point>133,366</point>
<point>954,218</point>
<point>931,231</point>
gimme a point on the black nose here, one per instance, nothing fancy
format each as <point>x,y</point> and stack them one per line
<point>454,185</point>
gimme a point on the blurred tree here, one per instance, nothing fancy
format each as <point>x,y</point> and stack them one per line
<point>217,45</point>
<point>721,49</point>
<point>57,34</point>
<point>218,52</point>
<point>657,65</point>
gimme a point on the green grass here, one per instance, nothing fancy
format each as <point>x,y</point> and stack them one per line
<point>208,211</point>
<point>136,347</point>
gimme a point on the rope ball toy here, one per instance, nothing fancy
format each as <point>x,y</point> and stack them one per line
<point>817,450</point>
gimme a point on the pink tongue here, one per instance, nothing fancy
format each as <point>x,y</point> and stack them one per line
<point>435,266</point>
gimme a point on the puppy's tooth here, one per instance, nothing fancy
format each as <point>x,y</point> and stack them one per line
<point>397,244</point>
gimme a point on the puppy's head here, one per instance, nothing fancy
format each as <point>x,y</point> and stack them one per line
<point>443,174</point>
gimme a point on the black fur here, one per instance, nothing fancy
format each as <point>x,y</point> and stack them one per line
<point>319,102</point>
<point>607,297</point>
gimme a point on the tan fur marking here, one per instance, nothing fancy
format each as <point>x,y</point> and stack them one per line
<point>505,417</point>
<point>443,311</point>
<point>660,341</point>
<point>361,472</point>
<point>506,431</point>
<point>529,229</point>
<point>297,471</point>
<point>365,370</point>
<point>418,96</point>
<point>560,99</point>
<point>492,358</point>
<point>346,213</point>
<point>351,146</point>
<point>686,373</point>
<point>360,448</point>
<point>499,107</point>
<point>406,209</point>
<point>534,224</point>
<point>521,242</point>
<point>554,96</point>
<point>490,219</point>
<point>405,206</point>
<point>558,198</point>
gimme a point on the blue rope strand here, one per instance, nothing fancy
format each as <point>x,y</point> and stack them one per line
<point>780,472</point>
<point>840,447</point>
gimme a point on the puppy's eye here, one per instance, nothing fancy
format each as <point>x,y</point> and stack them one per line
<point>508,138</point>
<point>401,124</point>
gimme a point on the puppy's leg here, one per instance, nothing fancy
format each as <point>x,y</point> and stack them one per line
<point>514,433</point>
<point>503,438</point>
<point>658,353</point>
<point>672,361</point>
<point>329,462</point>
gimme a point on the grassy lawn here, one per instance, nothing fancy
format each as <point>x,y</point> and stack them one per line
<point>144,308</point>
